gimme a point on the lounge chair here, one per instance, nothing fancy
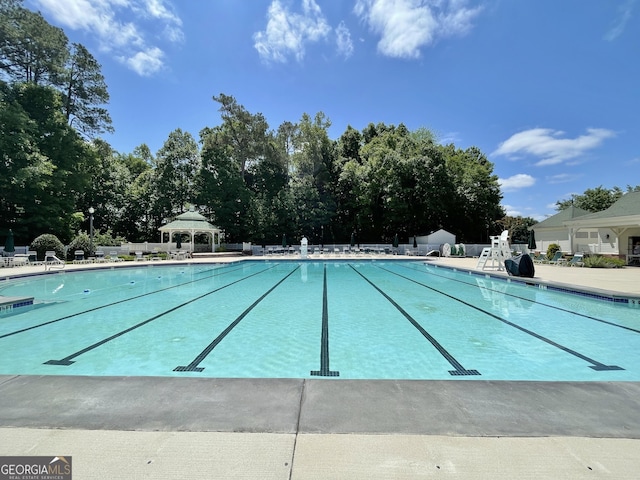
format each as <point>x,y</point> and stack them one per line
<point>20,260</point>
<point>113,256</point>
<point>139,256</point>
<point>558,259</point>
<point>540,258</point>
<point>6,261</point>
<point>33,257</point>
<point>577,260</point>
<point>78,257</point>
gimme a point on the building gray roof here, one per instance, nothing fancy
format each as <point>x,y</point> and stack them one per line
<point>557,220</point>
<point>627,204</point>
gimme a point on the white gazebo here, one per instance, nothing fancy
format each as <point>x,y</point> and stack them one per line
<point>191,223</point>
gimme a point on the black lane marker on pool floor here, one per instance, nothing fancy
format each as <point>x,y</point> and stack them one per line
<point>66,361</point>
<point>118,302</point>
<point>324,371</point>
<point>566,310</point>
<point>459,369</point>
<point>193,366</point>
<point>595,365</point>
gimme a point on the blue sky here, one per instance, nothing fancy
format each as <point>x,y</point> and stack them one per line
<point>547,89</point>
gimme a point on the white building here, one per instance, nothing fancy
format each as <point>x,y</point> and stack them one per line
<point>614,231</point>
<point>438,237</point>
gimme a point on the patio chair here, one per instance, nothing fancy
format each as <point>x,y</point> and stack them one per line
<point>139,256</point>
<point>577,260</point>
<point>100,258</point>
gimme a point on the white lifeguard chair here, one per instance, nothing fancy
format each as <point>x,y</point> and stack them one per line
<point>495,255</point>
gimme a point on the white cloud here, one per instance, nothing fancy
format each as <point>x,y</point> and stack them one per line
<point>548,145</point>
<point>563,178</point>
<point>145,63</point>
<point>449,137</point>
<point>125,40</point>
<point>343,39</point>
<point>405,26</point>
<point>516,182</point>
<point>287,33</point>
<point>621,22</point>
<point>512,211</point>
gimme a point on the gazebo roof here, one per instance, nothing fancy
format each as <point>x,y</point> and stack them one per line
<point>189,221</point>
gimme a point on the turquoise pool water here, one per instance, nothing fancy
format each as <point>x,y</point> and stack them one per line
<point>284,319</point>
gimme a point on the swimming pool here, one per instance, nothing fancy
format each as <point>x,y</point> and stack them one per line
<point>288,319</point>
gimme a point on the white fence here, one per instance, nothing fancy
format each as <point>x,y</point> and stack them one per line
<point>146,247</point>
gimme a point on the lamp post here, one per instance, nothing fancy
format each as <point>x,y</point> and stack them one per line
<point>91,210</point>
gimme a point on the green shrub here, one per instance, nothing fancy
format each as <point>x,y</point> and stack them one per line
<point>107,239</point>
<point>45,242</point>
<point>552,249</point>
<point>461,250</point>
<point>600,261</point>
<point>80,242</point>
<point>454,251</point>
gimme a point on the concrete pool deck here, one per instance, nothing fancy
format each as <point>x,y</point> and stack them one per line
<point>164,427</point>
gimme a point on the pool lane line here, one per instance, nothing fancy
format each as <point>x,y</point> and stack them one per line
<point>459,369</point>
<point>324,371</point>
<point>566,310</point>
<point>66,317</point>
<point>595,365</point>
<point>66,361</point>
<point>193,366</point>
